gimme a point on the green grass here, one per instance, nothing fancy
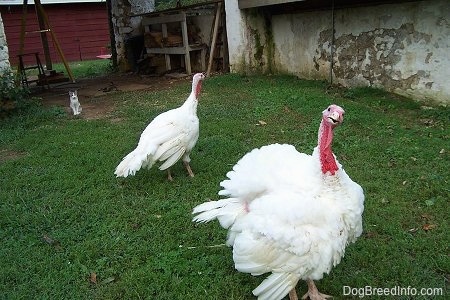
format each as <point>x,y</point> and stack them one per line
<point>86,68</point>
<point>81,69</point>
<point>64,216</point>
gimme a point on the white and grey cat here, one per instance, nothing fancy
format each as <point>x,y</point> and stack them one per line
<point>74,103</point>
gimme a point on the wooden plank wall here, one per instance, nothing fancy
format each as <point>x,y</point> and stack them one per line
<point>81,29</point>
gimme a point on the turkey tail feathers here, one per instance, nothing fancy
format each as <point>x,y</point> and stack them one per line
<point>225,210</point>
<point>132,163</point>
<point>276,286</point>
<point>172,157</point>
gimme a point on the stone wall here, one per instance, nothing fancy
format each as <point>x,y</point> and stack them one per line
<point>4,56</point>
<point>126,26</point>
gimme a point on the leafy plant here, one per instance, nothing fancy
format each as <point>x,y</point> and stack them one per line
<point>12,96</point>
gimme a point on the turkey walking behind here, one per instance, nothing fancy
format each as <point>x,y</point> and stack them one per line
<point>169,137</point>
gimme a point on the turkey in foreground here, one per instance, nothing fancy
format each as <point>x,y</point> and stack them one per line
<point>170,136</point>
<point>289,213</point>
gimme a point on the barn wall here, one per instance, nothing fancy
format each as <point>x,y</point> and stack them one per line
<point>72,25</point>
<point>402,48</point>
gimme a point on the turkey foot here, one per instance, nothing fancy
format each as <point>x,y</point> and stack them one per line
<point>313,292</point>
<point>188,168</point>
<point>169,175</point>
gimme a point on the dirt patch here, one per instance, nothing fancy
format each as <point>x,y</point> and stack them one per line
<point>6,155</point>
<point>93,93</point>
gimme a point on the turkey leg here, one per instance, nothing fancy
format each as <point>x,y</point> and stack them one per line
<point>313,292</point>
<point>169,175</point>
<point>188,168</point>
<point>293,295</point>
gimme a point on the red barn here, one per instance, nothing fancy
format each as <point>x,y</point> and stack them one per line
<point>81,28</point>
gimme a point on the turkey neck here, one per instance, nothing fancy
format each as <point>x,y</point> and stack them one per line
<point>191,102</point>
<point>327,160</point>
<point>196,88</point>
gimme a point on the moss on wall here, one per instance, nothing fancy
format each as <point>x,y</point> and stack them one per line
<point>270,45</point>
<point>261,46</point>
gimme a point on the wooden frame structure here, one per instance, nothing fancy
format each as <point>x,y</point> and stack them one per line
<point>185,49</point>
<point>44,27</point>
<point>217,47</point>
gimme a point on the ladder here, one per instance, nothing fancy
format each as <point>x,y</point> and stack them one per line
<point>41,77</point>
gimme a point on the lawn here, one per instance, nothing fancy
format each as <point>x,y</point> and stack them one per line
<point>85,68</point>
<point>71,230</point>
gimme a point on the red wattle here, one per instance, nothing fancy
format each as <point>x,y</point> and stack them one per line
<point>327,161</point>
<point>198,88</point>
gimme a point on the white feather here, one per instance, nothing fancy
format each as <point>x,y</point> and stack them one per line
<point>177,152</point>
<point>276,286</point>
<point>225,211</point>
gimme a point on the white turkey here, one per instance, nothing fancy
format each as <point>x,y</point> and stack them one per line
<point>289,213</point>
<point>169,137</point>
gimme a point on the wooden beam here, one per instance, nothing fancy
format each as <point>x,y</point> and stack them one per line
<point>163,19</point>
<point>257,3</point>
<point>23,25</point>
<point>214,38</point>
<point>187,56</point>
<point>174,50</point>
<point>166,56</point>
<point>43,32</point>
<point>55,40</point>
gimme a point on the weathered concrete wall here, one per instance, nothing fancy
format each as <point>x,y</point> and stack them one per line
<point>250,44</point>
<point>403,48</point>
<point>4,55</point>
<point>125,26</point>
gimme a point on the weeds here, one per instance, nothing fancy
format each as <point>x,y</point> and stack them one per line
<point>12,97</point>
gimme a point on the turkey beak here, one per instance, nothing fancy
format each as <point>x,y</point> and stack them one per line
<point>335,117</point>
